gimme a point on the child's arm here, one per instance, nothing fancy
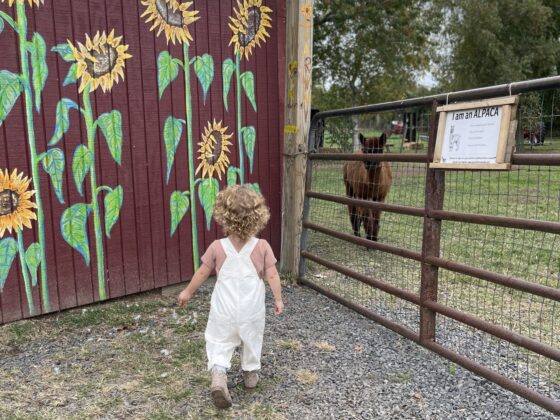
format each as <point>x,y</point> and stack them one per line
<point>199,277</point>
<point>273,280</point>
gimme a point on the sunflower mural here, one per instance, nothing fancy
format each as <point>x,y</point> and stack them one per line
<point>249,26</point>
<point>99,63</point>
<point>16,212</point>
<point>174,18</point>
<point>213,150</point>
<point>29,84</point>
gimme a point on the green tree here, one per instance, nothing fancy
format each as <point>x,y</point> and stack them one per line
<point>367,51</point>
<point>490,42</point>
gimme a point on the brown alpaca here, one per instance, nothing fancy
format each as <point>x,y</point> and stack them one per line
<point>367,180</point>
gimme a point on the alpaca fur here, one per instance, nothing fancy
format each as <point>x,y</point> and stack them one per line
<point>367,180</point>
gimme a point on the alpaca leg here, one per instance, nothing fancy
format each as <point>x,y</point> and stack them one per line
<point>354,219</point>
<point>372,226</point>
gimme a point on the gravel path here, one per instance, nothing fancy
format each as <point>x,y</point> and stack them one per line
<point>143,358</point>
<point>372,372</point>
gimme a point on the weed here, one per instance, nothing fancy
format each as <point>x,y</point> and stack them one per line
<point>402,377</point>
<point>306,377</point>
<point>290,344</point>
<point>452,368</point>
<point>324,346</point>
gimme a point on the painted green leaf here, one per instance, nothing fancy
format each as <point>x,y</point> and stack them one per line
<point>64,51</point>
<point>167,71</point>
<point>53,163</point>
<point>33,260</point>
<point>248,83</point>
<point>113,204</point>
<point>232,175</point>
<point>207,191</point>
<point>8,251</point>
<point>255,187</point>
<point>227,71</point>
<point>10,89</point>
<point>62,119</point>
<point>71,76</point>
<point>204,69</point>
<point>73,225</point>
<point>249,136</point>
<point>179,205</point>
<point>172,131</point>
<point>81,164</point>
<point>38,49</point>
<point>111,126</point>
<point>1,25</point>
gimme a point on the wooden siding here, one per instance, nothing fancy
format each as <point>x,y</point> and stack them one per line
<point>140,254</point>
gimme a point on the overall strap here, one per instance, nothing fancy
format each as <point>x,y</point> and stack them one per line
<point>228,247</point>
<point>249,247</point>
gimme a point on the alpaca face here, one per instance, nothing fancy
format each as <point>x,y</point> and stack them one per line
<point>372,145</point>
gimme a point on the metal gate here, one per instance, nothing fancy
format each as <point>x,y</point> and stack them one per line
<point>467,263</point>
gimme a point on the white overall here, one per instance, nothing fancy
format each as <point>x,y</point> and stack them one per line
<point>237,310</point>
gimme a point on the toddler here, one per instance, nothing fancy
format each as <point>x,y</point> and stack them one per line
<point>237,309</point>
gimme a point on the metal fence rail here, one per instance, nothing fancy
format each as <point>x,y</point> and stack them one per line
<point>467,264</point>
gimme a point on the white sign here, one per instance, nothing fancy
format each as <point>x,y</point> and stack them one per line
<point>476,135</point>
<point>471,135</point>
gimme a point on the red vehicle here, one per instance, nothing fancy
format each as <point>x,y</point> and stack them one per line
<point>397,126</point>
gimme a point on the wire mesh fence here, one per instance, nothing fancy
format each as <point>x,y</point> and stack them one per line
<point>531,257</point>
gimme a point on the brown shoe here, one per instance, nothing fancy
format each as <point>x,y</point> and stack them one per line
<point>219,390</point>
<point>250,379</point>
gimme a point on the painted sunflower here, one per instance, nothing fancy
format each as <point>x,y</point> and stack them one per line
<point>15,202</point>
<point>213,149</point>
<point>100,61</point>
<point>249,26</point>
<point>172,17</point>
<point>31,2</point>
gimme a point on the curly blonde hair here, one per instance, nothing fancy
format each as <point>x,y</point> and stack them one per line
<point>241,212</point>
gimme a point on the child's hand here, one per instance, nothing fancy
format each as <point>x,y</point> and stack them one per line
<point>278,307</point>
<point>184,298</point>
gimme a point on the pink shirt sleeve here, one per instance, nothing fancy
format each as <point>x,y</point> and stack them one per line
<point>268,255</point>
<point>209,257</point>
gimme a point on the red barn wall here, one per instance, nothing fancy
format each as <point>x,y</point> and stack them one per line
<point>140,254</point>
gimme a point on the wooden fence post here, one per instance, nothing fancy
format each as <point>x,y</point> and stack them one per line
<point>435,188</point>
<point>299,50</point>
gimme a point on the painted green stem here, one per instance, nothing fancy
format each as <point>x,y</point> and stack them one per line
<point>90,128</point>
<point>188,107</point>
<point>22,38</point>
<point>239,138</point>
<point>25,273</point>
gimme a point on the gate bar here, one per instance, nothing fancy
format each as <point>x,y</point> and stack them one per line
<point>501,221</point>
<point>392,325</point>
<point>549,159</point>
<point>505,280</point>
<point>460,316</point>
<point>392,208</point>
<point>392,290</point>
<point>390,249</point>
<point>373,157</point>
<point>463,95</point>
